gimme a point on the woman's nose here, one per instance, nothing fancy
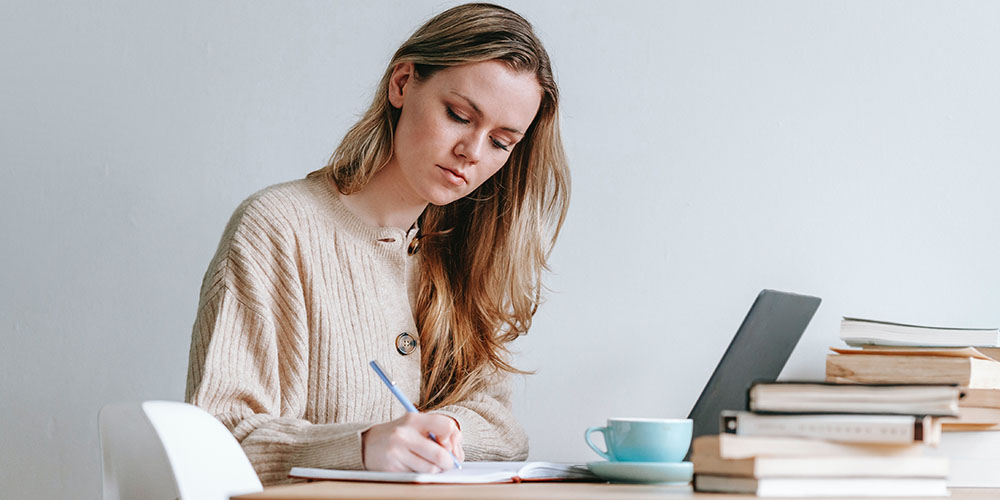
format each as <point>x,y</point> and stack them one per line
<point>470,147</point>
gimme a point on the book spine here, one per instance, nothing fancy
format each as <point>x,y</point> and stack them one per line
<point>845,428</point>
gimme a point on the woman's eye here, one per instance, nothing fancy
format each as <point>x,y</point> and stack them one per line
<point>499,145</point>
<point>453,116</point>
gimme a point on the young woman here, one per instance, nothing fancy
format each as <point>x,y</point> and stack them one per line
<point>420,245</point>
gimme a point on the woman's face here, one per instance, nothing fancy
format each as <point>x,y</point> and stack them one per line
<point>458,127</point>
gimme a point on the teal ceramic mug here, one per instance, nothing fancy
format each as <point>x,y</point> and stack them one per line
<point>643,439</point>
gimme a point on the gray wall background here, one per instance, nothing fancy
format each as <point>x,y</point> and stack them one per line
<point>844,149</point>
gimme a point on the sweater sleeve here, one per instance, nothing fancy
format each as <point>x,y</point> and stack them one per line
<point>249,357</point>
<point>489,430</point>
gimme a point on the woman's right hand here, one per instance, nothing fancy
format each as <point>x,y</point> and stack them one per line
<point>403,445</point>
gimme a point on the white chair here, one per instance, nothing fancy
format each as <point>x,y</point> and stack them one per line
<point>165,450</point>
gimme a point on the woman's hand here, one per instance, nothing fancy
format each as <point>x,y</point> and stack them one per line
<point>403,446</point>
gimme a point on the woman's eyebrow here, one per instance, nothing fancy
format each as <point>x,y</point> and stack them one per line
<point>479,112</point>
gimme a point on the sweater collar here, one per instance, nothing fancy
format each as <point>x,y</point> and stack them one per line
<point>353,224</point>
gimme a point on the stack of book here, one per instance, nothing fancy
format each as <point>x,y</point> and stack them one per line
<point>820,440</point>
<point>894,353</point>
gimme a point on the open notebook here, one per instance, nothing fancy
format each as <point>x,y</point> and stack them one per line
<point>471,473</point>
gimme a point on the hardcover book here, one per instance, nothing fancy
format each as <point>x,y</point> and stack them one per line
<point>885,429</point>
<point>970,372</point>
<point>734,446</point>
<point>820,397</point>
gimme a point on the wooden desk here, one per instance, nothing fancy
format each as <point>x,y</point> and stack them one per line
<point>346,490</point>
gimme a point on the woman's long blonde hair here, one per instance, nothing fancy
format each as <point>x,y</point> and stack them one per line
<point>482,257</point>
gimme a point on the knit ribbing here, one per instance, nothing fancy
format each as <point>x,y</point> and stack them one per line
<point>300,296</point>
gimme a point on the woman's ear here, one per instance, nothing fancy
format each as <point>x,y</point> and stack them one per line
<point>401,76</point>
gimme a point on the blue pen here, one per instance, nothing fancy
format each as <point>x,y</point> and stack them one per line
<point>406,404</point>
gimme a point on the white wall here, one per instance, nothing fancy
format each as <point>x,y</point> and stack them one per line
<point>844,149</point>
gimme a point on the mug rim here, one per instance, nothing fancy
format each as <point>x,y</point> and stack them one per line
<point>649,419</point>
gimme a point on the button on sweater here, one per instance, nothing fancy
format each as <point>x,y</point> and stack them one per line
<point>299,297</point>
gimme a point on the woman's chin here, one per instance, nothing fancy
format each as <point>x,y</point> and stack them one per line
<point>441,203</point>
<point>441,199</point>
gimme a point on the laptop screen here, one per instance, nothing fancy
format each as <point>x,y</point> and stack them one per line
<point>758,352</point>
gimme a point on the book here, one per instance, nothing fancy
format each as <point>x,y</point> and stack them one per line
<point>973,417</point>
<point>951,352</point>
<point>857,466</point>
<point>856,331</point>
<point>887,429</point>
<point>819,397</point>
<point>962,352</point>
<point>471,473</point>
<point>890,369</point>
<point>974,457</point>
<point>734,446</point>
<point>824,487</point>
<point>982,398</point>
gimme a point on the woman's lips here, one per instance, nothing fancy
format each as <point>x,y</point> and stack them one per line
<point>453,176</point>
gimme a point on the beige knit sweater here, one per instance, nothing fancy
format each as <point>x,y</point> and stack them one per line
<point>300,296</point>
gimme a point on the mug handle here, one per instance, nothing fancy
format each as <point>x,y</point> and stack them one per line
<point>602,430</point>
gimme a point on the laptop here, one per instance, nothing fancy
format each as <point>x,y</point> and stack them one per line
<point>758,352</point>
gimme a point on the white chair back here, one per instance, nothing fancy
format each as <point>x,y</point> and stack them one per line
<point>169,450</point>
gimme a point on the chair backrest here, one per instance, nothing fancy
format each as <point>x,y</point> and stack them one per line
<point>168,450</point>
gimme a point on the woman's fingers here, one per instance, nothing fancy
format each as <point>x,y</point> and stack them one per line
<point>405,444</point>
<point>453,443</point>
<point>457,447</point>
<point>441,425</point>
<point>431,452</point>
<point>416,463</point>
<point>446,430</point>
